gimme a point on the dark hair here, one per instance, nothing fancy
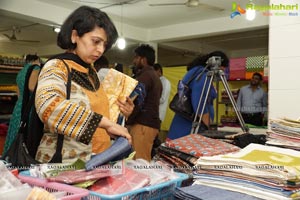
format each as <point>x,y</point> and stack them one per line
<point>84,19</point>
<point>259,75</point>
<point>119,67</point>
<point>202,59</point>
<point>146,51</point>
<point>31,57</point>
<point>157,67</point>
<point>102,62</point>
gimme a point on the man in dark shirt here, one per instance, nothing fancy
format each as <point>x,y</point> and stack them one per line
<point>144,122</point>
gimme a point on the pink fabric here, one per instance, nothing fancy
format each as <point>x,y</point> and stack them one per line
<point>237,68</point>
<point>129,181</point>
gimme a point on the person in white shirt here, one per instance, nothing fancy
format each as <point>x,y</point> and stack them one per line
<point>252,101</point>
<point>166,89</point>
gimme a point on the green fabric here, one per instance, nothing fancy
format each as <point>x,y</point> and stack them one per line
<point>16,115</point>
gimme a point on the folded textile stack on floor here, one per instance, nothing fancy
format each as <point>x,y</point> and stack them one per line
<point>262,171</point>
<point>182,152</point>
<point>284,133</point>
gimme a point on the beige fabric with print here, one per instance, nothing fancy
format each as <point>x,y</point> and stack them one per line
<point>117,86</point>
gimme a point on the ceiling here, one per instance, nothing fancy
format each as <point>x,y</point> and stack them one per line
<point>180,32</point>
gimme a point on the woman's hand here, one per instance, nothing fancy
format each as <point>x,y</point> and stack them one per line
<point>126,107</point>
<point>114,129</point>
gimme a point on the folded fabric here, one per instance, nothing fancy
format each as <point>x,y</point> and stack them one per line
<point>258,160</point>
<point>198,145</point>
<point>192,160</point>
<point>119,147</point>
<point>209,193</point>
<point>130,180</point>
<point>117,86</point>
<point>78,176</point>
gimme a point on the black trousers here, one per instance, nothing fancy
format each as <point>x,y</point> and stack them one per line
<point>253,118</point>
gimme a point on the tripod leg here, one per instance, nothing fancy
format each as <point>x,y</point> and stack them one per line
<point>238,113</point>
<point>196,124</point>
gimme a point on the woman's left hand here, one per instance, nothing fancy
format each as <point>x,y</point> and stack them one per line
<point>126,107</point>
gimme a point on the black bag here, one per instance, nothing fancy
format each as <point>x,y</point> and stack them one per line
<point>18,154</point>
<point>248,138</point>
<point>181,102</point>
<point>182,105</point>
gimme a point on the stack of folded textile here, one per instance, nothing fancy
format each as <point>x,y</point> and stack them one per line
<point>199,192</point>
<point>262,171</point>
<point>284,133</point>
<point>183,152</point>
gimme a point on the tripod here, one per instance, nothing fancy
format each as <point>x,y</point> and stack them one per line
<point>213,64</point>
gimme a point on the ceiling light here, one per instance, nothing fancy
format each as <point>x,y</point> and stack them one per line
<point>192,3</point>
<point>121,43</point>
<point>250,12</point>
<point>56,29</point>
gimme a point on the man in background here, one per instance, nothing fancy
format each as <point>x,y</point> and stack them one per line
<point>144,122</point>
<point>166,89</point>
<point>252,101</point>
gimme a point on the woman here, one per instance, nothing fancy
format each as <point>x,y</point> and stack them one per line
<point>16,115</point>
<point>181,126</point>
<point>85,35</point>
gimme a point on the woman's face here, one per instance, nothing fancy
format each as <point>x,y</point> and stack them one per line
<point>91,45</point>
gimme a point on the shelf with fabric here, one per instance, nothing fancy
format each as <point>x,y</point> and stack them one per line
<point>10,69</point>
<point>226,114</point>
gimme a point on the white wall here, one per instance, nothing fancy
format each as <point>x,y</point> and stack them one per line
<point>284,55</point>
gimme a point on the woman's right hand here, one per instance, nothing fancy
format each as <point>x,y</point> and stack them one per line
<point>114,129</point>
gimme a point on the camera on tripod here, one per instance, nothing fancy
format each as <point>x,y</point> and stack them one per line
<point>214,62</point>
<point>214,72</point>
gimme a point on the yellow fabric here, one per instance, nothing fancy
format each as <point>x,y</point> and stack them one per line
<point>100,140</point>
<point>117,86</point>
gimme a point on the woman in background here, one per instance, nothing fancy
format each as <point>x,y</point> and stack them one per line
<point>181,126</point>
<point>14,123</point>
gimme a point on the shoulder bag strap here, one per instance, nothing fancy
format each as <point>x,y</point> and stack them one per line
<point>57,157</point>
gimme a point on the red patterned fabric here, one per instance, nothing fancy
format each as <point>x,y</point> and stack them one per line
<point>198,145</point>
